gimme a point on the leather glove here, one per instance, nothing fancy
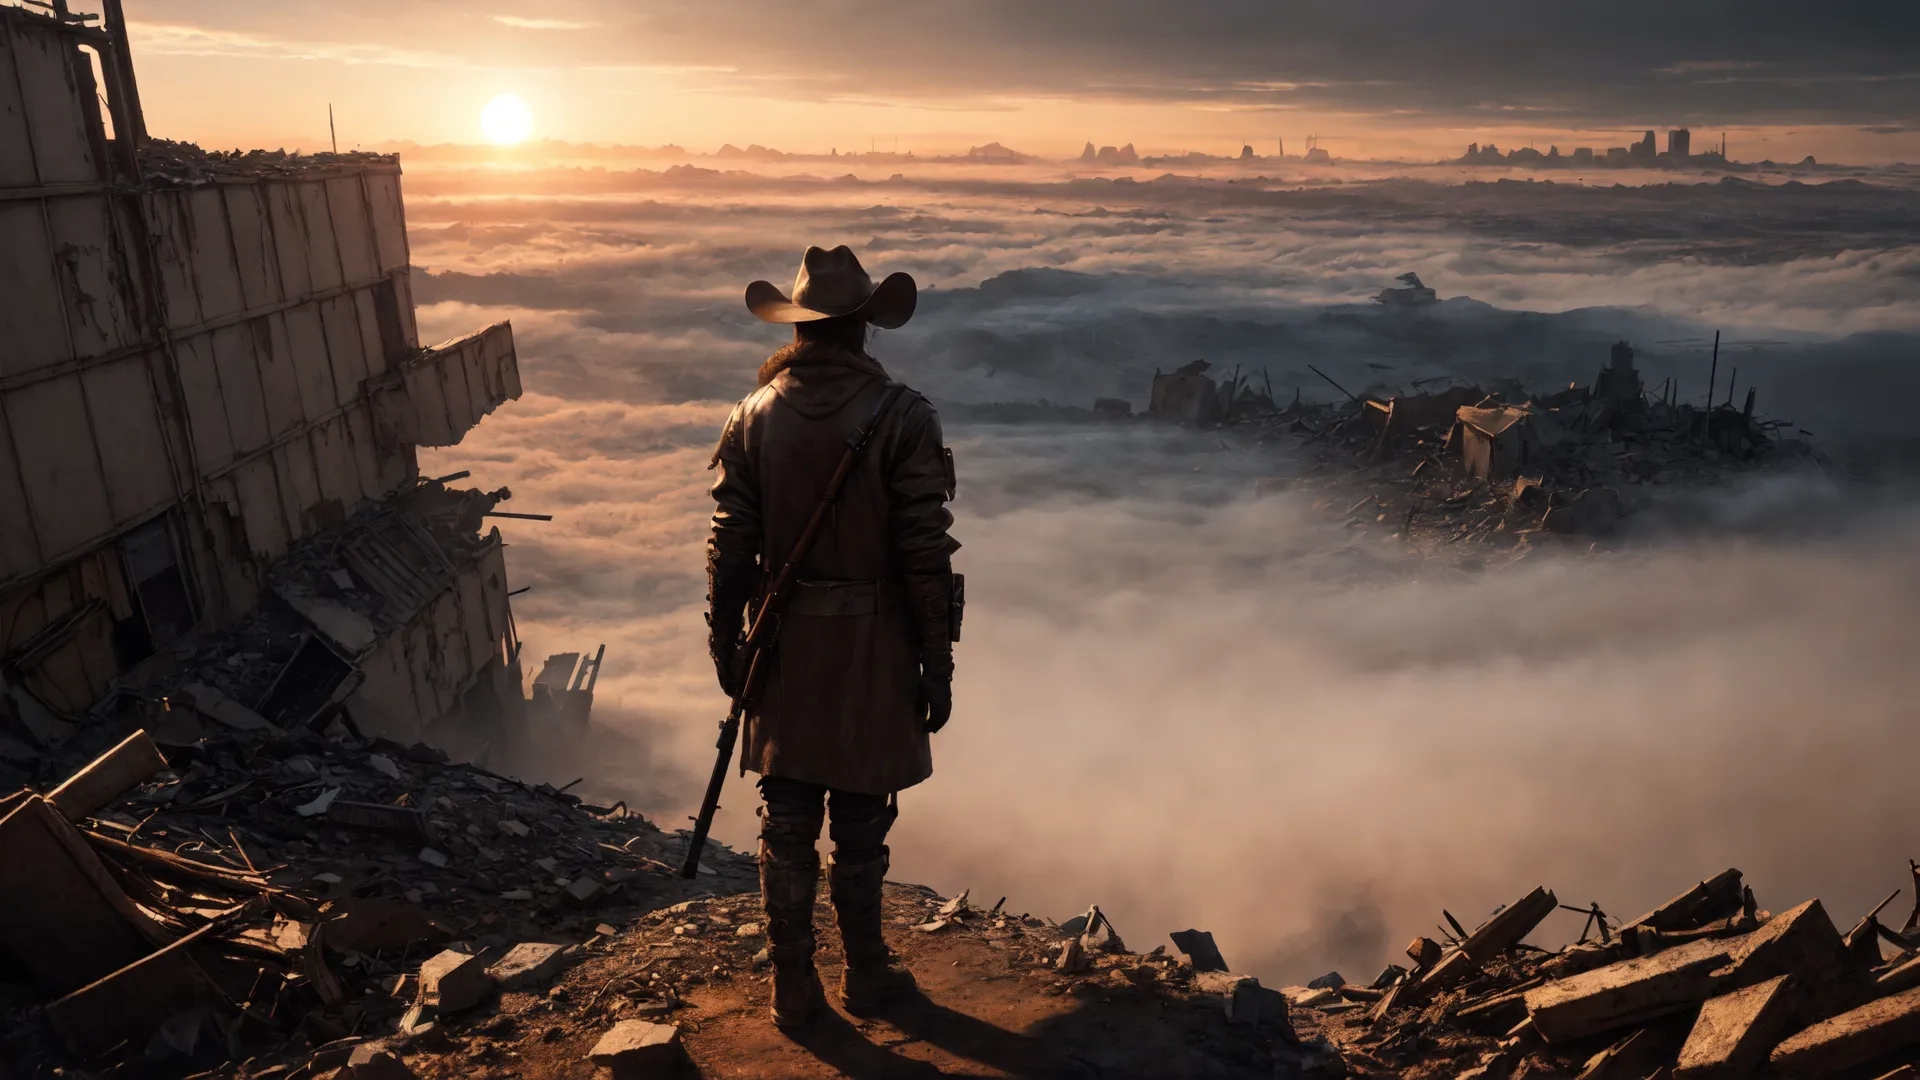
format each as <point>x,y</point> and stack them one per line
<point>731,582</point>
<point>936,702</point>
<point>930,601</point>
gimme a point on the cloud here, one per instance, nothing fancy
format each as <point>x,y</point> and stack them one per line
<point>1576,63</point>
<point>1198,708</point>
<point>522,22</point>
<point>179,39</point>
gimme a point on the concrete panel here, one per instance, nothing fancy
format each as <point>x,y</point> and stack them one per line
<point>279,382</point>
<point>506,362</point>
<point>206,405</point>
<point>461,415</point>
<point>366,454</point>
<point>253,245</point>
<point>30,321</point>
<point>493,580</point>
<point>323,251</point>
<point>352,230</point>
<point>19,550</point>
<point>55,106</point>
<point>389,219</point>
<point>133,451</point>
<point>16,168</point>
<point>58,465</point>
<point>299,487</point>
<point>344,347</point>
<point>262,513</point>
<point>172,233</point>
<point>61,678</point>
<point>214,269</point>
<point>99,574</point>
<point>399,466</point>
<point>369,319</point>
<point>384,705</point>
<point>426,394</point>
<point>409,327</point>
<point>289,227</point>
<point>475,630</point>
<point>423,662</point>
<point>90,275</point>
<point>333,458</point>
<point>450,637</point>
<point>312,370</point>
<point>239,367</point>
<point>482,391</point>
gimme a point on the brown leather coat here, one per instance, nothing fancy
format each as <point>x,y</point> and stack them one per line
<point>839,705</point>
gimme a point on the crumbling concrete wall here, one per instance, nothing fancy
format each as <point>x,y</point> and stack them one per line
<point>196,372</point>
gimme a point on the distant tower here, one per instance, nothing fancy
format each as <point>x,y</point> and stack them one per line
<point>1283,146</point>
<point>1723,146</point>
<point>1679,144</point>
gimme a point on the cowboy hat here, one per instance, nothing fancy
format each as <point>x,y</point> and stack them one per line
<point>831,284</point>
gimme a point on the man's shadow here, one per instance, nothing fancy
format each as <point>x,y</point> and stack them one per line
<point>841,1045</point>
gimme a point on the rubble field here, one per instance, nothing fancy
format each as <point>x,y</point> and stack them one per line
<point>298,906</point>
<point>1471,473</point>
<point>293,905</point>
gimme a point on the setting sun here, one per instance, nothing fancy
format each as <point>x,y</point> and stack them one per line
<point>506,120</point>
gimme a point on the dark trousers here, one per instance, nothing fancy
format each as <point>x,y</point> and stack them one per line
<point>795,811</point>
<point>790,866</point>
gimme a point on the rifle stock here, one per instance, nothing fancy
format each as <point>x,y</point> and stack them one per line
<point>760,637</point>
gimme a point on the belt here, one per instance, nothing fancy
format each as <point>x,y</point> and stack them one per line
<point>839,598</point>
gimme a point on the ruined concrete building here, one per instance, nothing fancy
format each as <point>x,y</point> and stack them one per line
<point>211,395</point>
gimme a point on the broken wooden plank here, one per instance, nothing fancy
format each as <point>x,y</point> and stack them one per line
<point>1509,925</point>
<point>1801,942</point>
<point>179,865</point>
<point>1904,977</point>
<point>1626,993</point>
<point>1734,1032</point>
<point>127,1005</point>
<point>108,776</point>
<point>1624,1060</point>
<point>1853,1038</point>
<point>61,914</point>
<point>1457,966</point>
<point>1715,898</point>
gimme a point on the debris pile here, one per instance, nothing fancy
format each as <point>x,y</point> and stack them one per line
<point>166,163</point>
<point>1705,985</point>
<point>1458,463</point>
<point>264,893</point>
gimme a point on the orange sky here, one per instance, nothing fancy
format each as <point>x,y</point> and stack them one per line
<point>227,74</point>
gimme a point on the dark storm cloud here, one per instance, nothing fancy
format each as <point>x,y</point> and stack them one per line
<point>1771,61</point>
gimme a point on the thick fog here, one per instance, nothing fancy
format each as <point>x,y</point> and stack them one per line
<point>1199,708</point>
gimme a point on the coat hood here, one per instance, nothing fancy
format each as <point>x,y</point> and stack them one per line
<point>816,379</point>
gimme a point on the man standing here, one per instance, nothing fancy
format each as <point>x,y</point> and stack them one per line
<point>862,666</point>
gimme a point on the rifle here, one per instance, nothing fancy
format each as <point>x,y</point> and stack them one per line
<point>766,622</point>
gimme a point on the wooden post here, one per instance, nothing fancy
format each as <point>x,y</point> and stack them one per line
<point>1713,377</point>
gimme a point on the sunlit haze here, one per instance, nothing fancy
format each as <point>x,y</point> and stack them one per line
<point>506,120</point>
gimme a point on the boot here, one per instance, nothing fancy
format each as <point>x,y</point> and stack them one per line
<point>874,978</point>
<point>787,888</point>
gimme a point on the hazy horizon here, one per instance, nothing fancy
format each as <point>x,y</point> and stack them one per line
<point>1400,80</point>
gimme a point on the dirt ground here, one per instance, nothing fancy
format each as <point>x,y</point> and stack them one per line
<point>993,1006</point>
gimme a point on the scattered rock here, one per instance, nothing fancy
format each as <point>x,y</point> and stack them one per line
<point>530,964</point>
<point>1199,949</point>
<point>640,1050</point>
<point>453,982</point>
